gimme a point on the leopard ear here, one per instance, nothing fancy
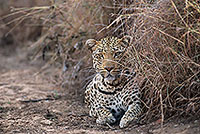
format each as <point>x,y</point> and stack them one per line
<point>126,40</point>
<point>91,43</point>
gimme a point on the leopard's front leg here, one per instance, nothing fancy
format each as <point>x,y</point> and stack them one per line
<point>104,116</point>
<point>134,110</point>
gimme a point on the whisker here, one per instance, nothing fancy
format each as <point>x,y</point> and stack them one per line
<point>129,75</point>
<point>87,80</point>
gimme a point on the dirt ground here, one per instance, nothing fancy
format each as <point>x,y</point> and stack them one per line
<point>32,102</point>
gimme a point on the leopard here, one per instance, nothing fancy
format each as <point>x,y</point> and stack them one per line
<point>113,94</point>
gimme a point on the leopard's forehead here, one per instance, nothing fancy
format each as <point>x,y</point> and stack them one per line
<point>110,44</point>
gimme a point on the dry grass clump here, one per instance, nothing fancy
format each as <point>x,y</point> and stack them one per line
<point>13,24</point>
<point>166,53</point>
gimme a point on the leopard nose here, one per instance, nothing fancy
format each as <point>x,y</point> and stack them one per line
<point>108,68</point>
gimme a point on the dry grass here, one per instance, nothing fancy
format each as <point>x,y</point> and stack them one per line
<point>65,28</point>
<point>165,50</point>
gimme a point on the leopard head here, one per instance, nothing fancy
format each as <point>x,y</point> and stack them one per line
<point>109,55</point>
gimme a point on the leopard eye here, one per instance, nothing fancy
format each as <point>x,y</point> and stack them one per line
<point>99,56</point>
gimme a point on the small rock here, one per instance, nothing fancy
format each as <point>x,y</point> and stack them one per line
<point>176,125</point>
<point>46,122</point>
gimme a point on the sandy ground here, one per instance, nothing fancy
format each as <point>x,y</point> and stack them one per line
<point>31,103</point>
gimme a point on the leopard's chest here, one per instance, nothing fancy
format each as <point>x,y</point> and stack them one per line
<point>112,102</point>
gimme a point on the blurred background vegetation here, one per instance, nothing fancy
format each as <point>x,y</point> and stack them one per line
<point>165,51</point>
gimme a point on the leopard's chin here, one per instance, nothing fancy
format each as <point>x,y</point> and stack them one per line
<point>111,80</point>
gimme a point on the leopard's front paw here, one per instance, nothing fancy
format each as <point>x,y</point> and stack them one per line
<point>110,119</point>
<point>124,123</point>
